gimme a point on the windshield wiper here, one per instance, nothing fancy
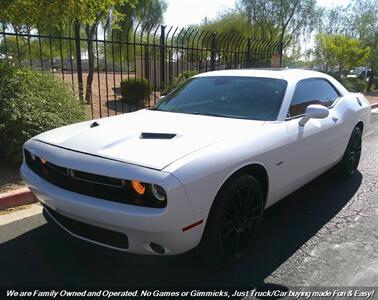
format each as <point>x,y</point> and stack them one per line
<point>200,113</point>
<point>209,114</point>
<point>155,108</point>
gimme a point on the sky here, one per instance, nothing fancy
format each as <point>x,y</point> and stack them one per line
<point>185,12</point>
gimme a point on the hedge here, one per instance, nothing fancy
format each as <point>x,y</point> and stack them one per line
<point>30,103</point>
<point>354,84</point>
<point>178,81</point>
<point>136,91</point>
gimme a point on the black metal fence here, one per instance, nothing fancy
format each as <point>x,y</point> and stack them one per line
<point>95,63</point>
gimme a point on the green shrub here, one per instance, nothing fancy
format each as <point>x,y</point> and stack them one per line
<point>335,74</point>
<point>374,85</point>
<point>354,84</point>
<point>178,81</point>
<point>30,103</point>
<point>136,91</point>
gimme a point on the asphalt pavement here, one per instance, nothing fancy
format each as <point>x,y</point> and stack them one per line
<point>325,234</point>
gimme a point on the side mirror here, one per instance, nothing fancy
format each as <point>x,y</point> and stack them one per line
<point>315,111</point>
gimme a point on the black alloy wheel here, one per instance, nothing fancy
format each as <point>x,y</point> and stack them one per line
<point>241,217</point>
<point>349,163</point>
<point>233,221</point>
<point>355,152</point>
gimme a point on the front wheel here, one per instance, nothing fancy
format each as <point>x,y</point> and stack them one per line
<point>233,221</point>
<point>349,163</point>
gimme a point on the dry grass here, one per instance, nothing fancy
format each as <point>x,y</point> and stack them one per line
<point>372,96</point>
<point>16,208</point>
<point>106,97</point>
<point>10,178</point>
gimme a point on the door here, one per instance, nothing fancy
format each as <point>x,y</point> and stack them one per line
<point>313,147</point>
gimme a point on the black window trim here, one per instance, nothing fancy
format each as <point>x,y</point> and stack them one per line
<point>312,78</point>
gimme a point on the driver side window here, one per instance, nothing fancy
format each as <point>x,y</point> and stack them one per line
<point>311,91</point>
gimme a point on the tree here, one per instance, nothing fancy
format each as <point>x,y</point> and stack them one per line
<point>365,26</point>
<point>232,28</point>
<point>98,10</point>
<point>227,26</point>
<point>340,52</point>
<point>334,21</point>
<point>291,18</point>
<point>25,15</point>
<point>294,58</point>
<point>148,13</point>
<point>231,23</point>
<point>32,13</point>
<point>122,12</point>
<point>358,20</point>
<point>35,13</point>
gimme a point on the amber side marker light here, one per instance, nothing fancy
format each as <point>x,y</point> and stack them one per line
<point>138,187</point>
<point>192,225</point>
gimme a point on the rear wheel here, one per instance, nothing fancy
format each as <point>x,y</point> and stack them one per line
<point>349,163</point>
<point>233,221</point>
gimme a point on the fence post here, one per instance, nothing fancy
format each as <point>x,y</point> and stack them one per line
<point>146,63</point>
<point>212,61</point>
<point>78,61</point>
<point>170,66</point>
<point>280,50</point>
<point>249,53</point>
<point>162,57</point>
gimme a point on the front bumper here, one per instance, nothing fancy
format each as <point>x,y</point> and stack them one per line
<point>141,225</point>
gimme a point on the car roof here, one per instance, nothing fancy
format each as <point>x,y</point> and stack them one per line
<point>285,74</point>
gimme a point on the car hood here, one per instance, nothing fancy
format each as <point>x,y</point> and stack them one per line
<point>147,138</point>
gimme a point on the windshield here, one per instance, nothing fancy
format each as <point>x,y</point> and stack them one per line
<point>252,98</point>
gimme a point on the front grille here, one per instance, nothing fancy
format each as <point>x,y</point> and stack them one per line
<point>93,233</point>
<point>103,187</point>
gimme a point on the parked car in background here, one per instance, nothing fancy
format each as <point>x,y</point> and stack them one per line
<point>360,73</point>
<point>198,169</point>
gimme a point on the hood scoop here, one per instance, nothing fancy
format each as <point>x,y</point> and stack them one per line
<point>159,136</point>
<point>94,124</point>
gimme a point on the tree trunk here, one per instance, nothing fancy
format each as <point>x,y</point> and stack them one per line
<point>371,79</point>
<point>78,60</point>
<point>281,46</point>
<point>90,30</point>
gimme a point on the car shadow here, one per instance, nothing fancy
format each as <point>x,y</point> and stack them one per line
<point>119,106</point>
<point>41,257</point>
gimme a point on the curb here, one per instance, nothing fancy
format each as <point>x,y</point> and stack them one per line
<point>24,196</point>
<point>17,197</point>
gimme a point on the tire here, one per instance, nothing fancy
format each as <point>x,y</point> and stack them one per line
<point>233,221</point>
<point>351,158</point>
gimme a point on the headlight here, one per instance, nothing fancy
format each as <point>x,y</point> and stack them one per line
<point>149,194</point>
<point>158,192</point>
<point>139,187</point>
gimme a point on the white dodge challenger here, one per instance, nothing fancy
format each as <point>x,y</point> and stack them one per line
<point>199,168</point>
